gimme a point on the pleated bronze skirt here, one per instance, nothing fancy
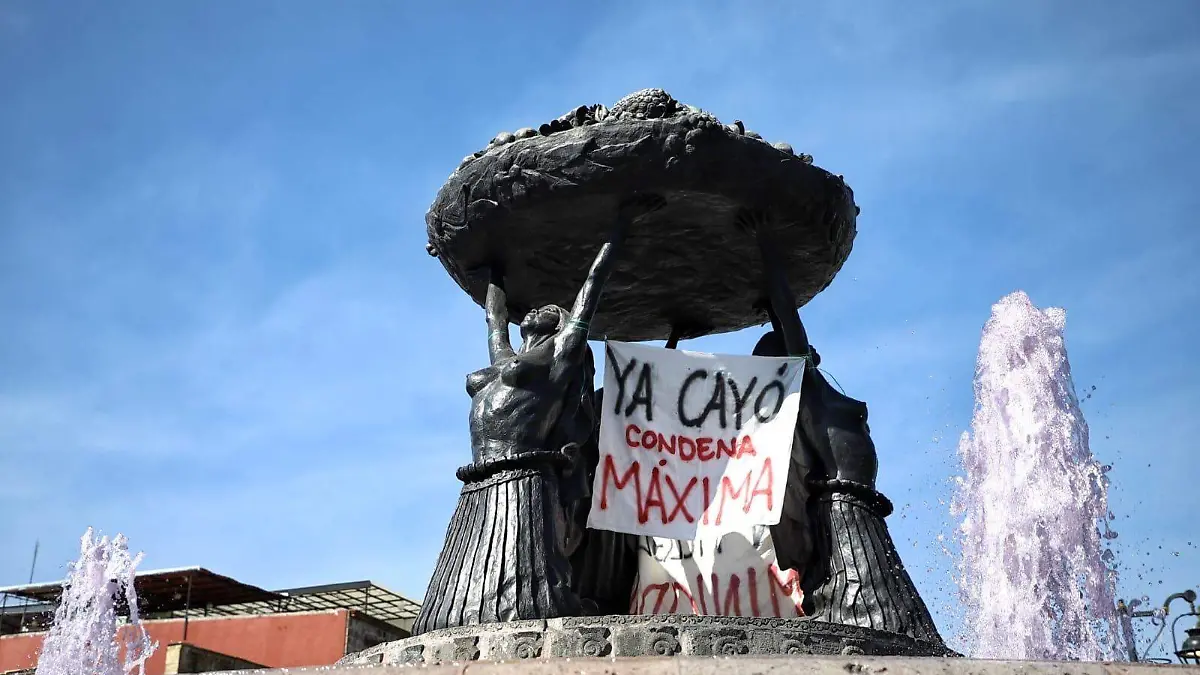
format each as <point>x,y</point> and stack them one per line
<point>604,571</point>
<point>867,584</point>
<point>501,560</point>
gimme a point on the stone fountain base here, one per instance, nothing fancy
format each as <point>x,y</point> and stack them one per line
<point>752,665</point>
<point>649,635</point>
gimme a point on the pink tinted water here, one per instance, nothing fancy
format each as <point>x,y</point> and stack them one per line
<point>1035,572</point>
<point>87,635</point>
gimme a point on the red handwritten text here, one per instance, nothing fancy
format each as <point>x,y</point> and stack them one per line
<point>724,595</point>
<point>704,448</point>
<point>671,497</point>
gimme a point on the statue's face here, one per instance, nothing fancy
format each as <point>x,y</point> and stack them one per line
<point>539,323</point>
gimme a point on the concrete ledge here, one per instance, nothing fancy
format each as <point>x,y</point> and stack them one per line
<point>772,665</point>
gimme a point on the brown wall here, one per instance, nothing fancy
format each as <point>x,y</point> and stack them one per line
<point>274,640</point>
<point>185,658</point>
<point>364,632</point>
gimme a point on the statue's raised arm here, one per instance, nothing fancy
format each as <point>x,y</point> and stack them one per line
<point>575,334</point>
<point>782,303</point>
<point>496,310</point>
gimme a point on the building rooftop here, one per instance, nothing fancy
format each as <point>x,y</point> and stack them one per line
<point>195,591</point>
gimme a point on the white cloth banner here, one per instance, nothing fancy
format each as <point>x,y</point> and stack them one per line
<point>735,575</point>
<point>693,445</point>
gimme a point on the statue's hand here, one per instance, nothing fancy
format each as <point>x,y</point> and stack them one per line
<point>755,222</point>
<point>484,275</point>
<point>639,206</point>
<point>480,275</point>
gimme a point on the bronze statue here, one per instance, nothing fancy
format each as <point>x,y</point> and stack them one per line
<point>516,226</point>
<point>832,528</point>
<point>507,549</point>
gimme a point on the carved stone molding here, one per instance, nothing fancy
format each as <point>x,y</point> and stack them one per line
<point>642,635</point>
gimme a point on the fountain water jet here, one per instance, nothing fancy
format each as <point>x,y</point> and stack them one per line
<point>85,638</point>
<point>1035,575</point>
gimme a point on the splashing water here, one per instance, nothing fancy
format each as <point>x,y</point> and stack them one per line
<point>1035,572</point>
<point>85,636</point>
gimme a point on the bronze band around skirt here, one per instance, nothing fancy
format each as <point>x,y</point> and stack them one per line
<point>502,560</point>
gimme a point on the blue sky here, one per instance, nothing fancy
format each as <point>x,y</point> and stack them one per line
<point>221,334</point>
